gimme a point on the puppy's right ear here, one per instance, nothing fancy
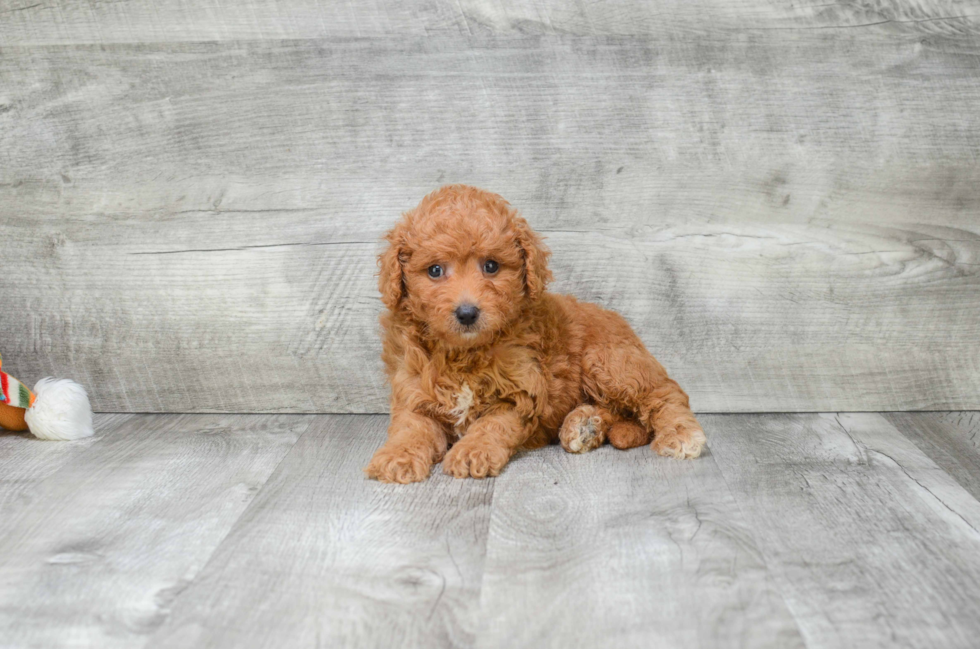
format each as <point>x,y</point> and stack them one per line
<point>391,282</point>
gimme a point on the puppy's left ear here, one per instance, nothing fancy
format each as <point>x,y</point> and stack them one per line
<point>536,273</point>
<point>391,282</point>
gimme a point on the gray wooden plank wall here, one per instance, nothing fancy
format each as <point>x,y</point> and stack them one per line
<point>783,198</point>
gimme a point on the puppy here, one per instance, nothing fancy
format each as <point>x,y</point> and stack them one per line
<point>483,361</point>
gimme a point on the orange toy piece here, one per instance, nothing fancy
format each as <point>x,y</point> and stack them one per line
<point>12,418</point>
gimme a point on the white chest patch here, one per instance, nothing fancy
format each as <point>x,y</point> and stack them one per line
<point>464,401</point>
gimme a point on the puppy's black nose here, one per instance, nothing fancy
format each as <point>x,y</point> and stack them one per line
<point>467,314</point>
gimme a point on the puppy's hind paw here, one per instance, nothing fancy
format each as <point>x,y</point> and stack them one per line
<point>684,444</point>
<point>583,430</point>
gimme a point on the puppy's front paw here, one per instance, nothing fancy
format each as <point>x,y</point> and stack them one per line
<point>684,444</point>
<point>474,460</point>
<point>398,465</point>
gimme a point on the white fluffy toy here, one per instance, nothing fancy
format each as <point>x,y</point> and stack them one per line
<point>56,409</point>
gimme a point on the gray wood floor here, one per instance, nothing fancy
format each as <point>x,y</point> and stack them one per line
<point>815,530</point>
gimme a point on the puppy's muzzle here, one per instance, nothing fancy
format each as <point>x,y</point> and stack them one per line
<point>467,314</point>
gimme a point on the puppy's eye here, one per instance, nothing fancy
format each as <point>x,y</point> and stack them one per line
<point>435,271</point>
<point>490,267</point>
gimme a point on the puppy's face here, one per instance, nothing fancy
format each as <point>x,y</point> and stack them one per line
<point>463,264</point>
<point>464,290</point>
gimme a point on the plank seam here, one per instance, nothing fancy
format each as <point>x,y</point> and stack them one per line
<point>220,541</point>
<point>750,528</point>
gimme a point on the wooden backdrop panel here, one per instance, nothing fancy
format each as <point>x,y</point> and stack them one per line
<point>789,217</point>
<point>153,21</point>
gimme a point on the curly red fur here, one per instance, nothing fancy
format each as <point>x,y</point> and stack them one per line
<point>534,368</point>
